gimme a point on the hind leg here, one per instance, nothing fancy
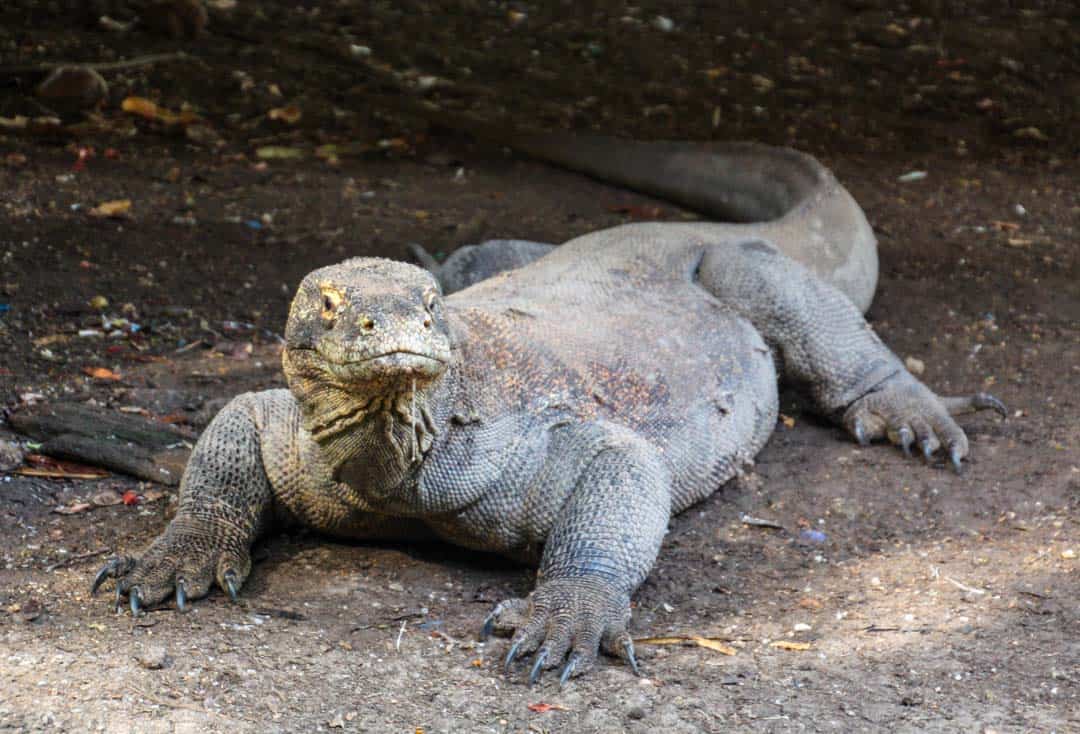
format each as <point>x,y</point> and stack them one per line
<point>824,343</point>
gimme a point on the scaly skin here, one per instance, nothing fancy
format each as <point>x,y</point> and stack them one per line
<point>558,413</point>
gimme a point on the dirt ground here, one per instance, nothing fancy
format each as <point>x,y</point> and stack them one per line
<point>930,602</point>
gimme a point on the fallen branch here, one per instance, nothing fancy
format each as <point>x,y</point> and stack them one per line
<point>75,559</point>
<point>148,60</point>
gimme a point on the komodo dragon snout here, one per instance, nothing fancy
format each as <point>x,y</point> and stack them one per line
<point>360,334</point>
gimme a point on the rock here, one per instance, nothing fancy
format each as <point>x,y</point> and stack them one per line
<point>11,455</point>
<point>71,89</point>
<point>635,713</point>
<point>176,18</point>
<point>152,657</point>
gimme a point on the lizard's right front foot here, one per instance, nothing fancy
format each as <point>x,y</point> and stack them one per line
<point>177,563</point>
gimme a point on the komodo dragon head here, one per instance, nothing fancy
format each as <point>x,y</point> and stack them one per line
<point>365,341</point>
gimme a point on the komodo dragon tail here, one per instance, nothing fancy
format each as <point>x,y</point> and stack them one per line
<point>778,194</point>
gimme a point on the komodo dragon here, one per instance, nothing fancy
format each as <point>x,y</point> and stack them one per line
<point>558,413</point>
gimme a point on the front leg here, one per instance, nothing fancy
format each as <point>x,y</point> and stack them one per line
<point>824,343</point>
<point>254,463</point>
<point>225,502</point>
<point>600,549</point>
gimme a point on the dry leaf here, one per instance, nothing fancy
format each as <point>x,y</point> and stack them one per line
<point>106,498</point>
<point>789,645</point>
<point>787,420</point>
<point>115,208</point>
<point>46,466</point>
<point>149,110</point>
<point>72,509</point>
<point>541,708</point>
<point>710,643</point>
<point>278,153</point>
<point>289,115</point>
<point>101,373</point>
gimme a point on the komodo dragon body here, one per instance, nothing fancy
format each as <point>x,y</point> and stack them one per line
<point>559,412</point>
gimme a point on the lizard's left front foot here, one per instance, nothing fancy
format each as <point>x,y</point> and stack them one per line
<point>569,616</point>
<point>905,411</point>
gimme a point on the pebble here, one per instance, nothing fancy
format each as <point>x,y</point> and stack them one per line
<point>635,713</point>
<point>11,455</point>
<point>152,657</point>
<point>663,23</point>
<point>915,365</point>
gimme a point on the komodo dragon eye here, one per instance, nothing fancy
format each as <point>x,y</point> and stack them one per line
<point>332,298</point>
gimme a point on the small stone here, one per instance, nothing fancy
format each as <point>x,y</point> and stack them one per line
<point>1020,210</point>
<point>915,365</point>
<point>338,722</point>
<point>635,713</point>
<point>912,176</point>
<point>663,23</point>
<point>1030,133</point>
<point>1068,554</point>
<point>11,455</point>
<point>762,83</point>
<point>152,657</point>
<point>802,627</point>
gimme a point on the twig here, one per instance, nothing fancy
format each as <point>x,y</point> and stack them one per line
<point>189,347</point>
<point>148,60</point>
<point>75,559</point>
<point>757,522</point>
<point>172,704</point>
<point>400,634</point>
<point>964,587</point>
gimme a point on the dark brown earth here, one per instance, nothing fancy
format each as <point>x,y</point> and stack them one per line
<point>934,603</point>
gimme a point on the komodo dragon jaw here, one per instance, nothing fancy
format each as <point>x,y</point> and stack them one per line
<point>365,342</point>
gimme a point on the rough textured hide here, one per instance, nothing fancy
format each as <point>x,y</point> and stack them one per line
<point>557,413</point>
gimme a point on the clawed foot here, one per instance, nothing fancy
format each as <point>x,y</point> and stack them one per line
<point>184,567</point>
<point>564,622</point>
<point>908,413</point>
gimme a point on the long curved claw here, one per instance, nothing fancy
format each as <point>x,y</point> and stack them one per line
<point>109,569</point>
<point>489,625</point>
<point>927,449</point>
<point>906,439</point>
<point>860,433</point>
<point>628,648</point>
<point>230,585</point>
<point>538,667</point>
<point>134,601</point>
<point>181,595</point>
<point>568,671</point>
<point>984,400</point>
<point>954,459</point>
<point>512,655</point>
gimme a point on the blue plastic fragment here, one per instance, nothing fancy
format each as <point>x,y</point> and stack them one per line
<point>5,307</point>
<point>813,536</point>
<point>253,224</point>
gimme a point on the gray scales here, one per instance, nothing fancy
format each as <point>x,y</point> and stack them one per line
<point>556,404</point>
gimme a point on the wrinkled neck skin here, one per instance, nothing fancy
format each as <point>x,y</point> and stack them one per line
<point>376,438</point>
